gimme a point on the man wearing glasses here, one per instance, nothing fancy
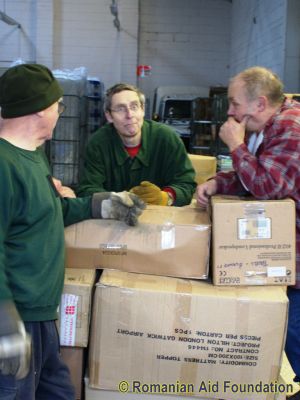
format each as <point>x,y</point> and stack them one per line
<point>32,219</point>
<point>131,153</point>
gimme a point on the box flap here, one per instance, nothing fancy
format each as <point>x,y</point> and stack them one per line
<point>79,276</point>
<point>156,283</point>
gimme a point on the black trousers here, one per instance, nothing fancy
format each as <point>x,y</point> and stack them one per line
<point>49,377</point>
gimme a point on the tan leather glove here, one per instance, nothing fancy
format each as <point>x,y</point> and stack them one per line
<point>151,194</point>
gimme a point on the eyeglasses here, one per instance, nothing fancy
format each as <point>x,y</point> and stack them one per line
<point>61,107</point>
<point>122,109</point>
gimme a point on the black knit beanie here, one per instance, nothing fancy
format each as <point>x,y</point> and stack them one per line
<point>26,89</point>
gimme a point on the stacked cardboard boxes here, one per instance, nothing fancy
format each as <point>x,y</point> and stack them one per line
<point>74,322</point>
<point>153,331</point>
<point>155,334</point>
<point>168,241</point>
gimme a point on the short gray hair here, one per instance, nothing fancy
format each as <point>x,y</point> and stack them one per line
<point>260,81</point>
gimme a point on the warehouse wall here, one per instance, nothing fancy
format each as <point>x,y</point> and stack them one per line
<point>185,42</point>
<point>198,42</point>
<point>19,42</point>
<point>292,54</point>
<point>84,34</point>
<point>72,33</point>
<point>258,34</point>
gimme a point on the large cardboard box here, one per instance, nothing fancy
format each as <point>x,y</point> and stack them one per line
<point>205,167</point>
<point>213,342</point>
<point>172,241</point>
<point>75,307</point>
<point>287,379</point>
<point>253,242</point>
<point>100,394</point>
<point>286,388</point>
<point>74,358</point>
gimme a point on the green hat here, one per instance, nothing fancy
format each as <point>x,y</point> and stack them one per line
<point>26,89</point>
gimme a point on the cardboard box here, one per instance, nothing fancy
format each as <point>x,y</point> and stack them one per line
<point>100,394</point>
<point>74,358</point>
<point>287,379</point>
<point>171,241</point>
<point>203,339</point>
<point>286,388</point>
<point>253,241</point>
<point>205,167</point>
<point>75,307</point>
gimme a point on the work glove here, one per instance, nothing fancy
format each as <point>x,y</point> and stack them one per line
<point>151,194</point>
<point>122,206</point>
<point>15,343</point>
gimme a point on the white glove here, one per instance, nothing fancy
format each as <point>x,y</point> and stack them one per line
<point>122,206</point>
<point>15,343</point>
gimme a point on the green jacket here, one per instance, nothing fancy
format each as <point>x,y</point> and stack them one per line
<point>32,217</point>
<point>162,160</point>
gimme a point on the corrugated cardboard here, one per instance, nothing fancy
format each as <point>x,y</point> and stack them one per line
<point>172,241</point>
<point>287,376</point>
<point>158,330</point>
<point>75,307</point>
<point>253,241</point>
<point>205,167</point>
<point>100,394</point>
<point>74,358</point>
<point>287,387</point>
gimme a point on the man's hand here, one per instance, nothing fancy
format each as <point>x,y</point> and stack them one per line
<point>150,193</point>
<point>122,206</point>
<point>64,191</point>
<point>233,133</point>
<point>15,343</point>
<point>205,191</point>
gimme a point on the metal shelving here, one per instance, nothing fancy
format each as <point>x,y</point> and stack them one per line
<point>83,115</point>
<point>208,114</point>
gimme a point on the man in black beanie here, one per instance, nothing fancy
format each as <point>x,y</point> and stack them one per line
<point>32,219</point>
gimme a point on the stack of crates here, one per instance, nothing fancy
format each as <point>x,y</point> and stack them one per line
<point>95,99</point>
<point>83,98</point>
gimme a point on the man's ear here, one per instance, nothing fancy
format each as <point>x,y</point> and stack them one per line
<point>108,116</point>
<point>262,103</point>
<point>40,113</point>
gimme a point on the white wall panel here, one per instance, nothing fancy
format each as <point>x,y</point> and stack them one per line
<point>258,35</point>
<point>84,35</point>
<point>186,42</point>
<point>292,55</point>
<point>18,43</point>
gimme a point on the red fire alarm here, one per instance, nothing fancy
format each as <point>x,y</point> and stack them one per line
<point>143,70</point>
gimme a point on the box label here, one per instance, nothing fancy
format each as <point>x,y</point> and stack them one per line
<point>68,316</point>
<point>202,347</point>
<point>254,228</point>
<point>168,236</point>
<point>276,271</point>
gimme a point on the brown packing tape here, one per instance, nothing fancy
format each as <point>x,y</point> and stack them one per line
<point>275,371</point>
<point>182,317</point>
<point>242,325</point>
<point>94,367</point>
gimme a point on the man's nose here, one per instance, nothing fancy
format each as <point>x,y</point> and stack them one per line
<point>230,111</point>
<point>129,112</point>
